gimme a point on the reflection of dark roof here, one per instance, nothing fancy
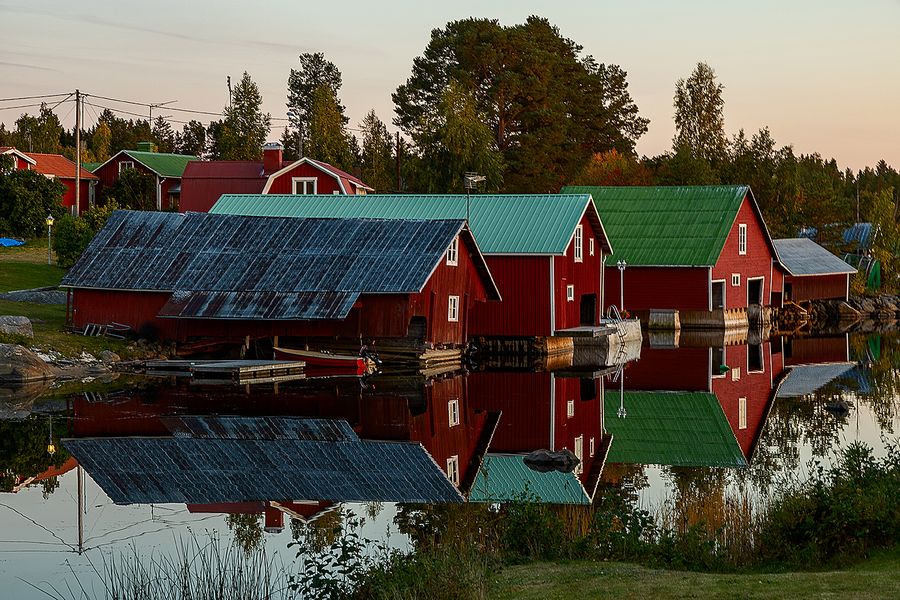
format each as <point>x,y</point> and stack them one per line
<point>241,460</point>
<point>506,478</point>
<point>804,380</point>
<point>802,256</point>
<point>304,268</point>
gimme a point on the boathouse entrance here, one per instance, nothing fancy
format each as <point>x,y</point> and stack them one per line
<point>588,309</point>
<point>755,287</point>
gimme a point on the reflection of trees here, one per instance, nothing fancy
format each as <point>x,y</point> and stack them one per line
<point>321,533</point>
<point>447,524</point>
<point>881,355</point>
<point>247,530</point>
<point>23,449</point>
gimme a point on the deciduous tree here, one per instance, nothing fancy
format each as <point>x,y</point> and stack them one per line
<point>26,198</point>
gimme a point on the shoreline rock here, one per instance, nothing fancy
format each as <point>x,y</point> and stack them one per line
<point>20,365</point>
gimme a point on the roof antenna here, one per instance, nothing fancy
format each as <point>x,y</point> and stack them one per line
<point>471,181</point>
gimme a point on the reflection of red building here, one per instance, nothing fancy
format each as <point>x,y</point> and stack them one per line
<point>52,471</point>
<point>273,512</point>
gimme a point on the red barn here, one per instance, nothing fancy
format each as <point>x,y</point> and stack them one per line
<point>201,276</point>
<point>700,250</point>
<point>204,182</point>
<point>812,272</point>
<point>59,167</point>
<point>21,161</point>
<point>167,170</point>
<point>545,251</point>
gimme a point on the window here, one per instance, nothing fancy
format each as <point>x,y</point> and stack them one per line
<point>304,185</point>
<point>735,279</point>
<point>570,293</point>
<point>755,358</point>
<point>591,446</point>
<point>125,165</point>
<point>579,243</point>
<point>579,454</point>
<point>742,413</point>
<point>453,412</point>
<point>742,239</point>
<point>736,374</point>
<point>453,253</point>
<point>453,309</point>
<point>453,469</point>
<point>570,409</point>
<point>591,246</point>
<point>717,361</point>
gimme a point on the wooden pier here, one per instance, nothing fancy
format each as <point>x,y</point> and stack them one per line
<point>228,371</point>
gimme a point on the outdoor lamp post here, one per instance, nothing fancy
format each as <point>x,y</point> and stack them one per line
<point>51,447</point>
<point>49,225</point>
<point>621,264</point>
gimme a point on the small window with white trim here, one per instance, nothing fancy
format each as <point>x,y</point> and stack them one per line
<point>591,445</point>
<point>591,246</point>
<point>453,253</point>
<point>735,279</point>
<point>453,412</point>
<point>453,309</point>
<point>742,413</point>
<point>570,293</point>
<point>579,243</point>
<point>304,185</point>
<point>453,469</point>
<point>742,238</point>
<point>125,165</point>
<point>736,374</point>
<point>570,409</point>
<point>579,454</point>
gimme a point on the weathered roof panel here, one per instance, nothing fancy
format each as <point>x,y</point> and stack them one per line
<point>802,256</point>
<point>305,306</point>
<point>804,380</point>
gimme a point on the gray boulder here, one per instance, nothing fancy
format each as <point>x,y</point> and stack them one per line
<point>108,356</point>
<point>21,365</point>
<point>12,325</point>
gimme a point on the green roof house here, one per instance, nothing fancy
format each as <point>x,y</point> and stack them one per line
<point>506,478</point>
<point>695,249</point>
<point>545,251</point>
<point>167,169</point>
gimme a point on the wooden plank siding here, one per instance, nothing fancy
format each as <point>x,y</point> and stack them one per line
<point>325,183</point>
<point>817,287</point>
<point>584,275</point>
<point>683,288</point>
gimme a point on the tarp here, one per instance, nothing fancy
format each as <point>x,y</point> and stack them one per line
<point>8,242</point>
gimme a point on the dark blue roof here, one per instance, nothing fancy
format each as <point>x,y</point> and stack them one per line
<point>243,460</point>
<point>233,254</point>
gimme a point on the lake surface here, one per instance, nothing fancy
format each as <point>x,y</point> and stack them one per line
<point>687,429</point>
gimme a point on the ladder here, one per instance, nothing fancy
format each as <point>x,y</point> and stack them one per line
<point>613,314</point>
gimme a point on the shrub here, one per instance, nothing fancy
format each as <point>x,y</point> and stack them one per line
<point>71,237</point>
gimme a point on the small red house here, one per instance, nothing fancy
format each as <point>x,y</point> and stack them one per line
<point>167,169</point>
<point>545,251</point>
<point>695,249</point>
<point>21,161</point>
<point>226,277</point>
<point>204,182</point>
<point>59,167</point>
<point>812,272</point>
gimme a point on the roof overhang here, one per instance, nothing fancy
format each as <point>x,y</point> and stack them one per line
<point>20,154</point>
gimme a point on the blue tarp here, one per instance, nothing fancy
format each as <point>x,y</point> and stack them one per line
<point>7,242</point>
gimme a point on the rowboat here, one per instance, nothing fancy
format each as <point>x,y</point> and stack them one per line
<point>337,363</point>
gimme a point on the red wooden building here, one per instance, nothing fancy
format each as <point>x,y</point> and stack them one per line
<point>20,160</point>
<point>812,272</point>
<point>197,276</point>
<point>545,251</point>
<point>61,168</point>
<point>695,249</point>
<point>204,182</point>
<point>166,169</point>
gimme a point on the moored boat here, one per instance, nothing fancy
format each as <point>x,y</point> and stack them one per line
<point>337,363</point>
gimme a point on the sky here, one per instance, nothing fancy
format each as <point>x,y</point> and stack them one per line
<point>823,75</point>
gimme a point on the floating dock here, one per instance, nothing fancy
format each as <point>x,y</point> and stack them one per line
<point>229,371</point>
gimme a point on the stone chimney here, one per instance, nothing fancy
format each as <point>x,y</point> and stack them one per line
<point>272,153</point>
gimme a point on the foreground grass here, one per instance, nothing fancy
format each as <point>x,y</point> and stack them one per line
<point>877,577</point>
<point>25,267</point>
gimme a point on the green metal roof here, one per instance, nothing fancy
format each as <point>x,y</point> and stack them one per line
<point>165,165</point>
<point>666,226</point>
<point>506,478</point>
<point>90,166</point>
<point>502,224</point>
<point>684,429</point>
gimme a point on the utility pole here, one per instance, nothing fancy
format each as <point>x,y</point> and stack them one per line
<point>77,206</point>
<point>229,91</point>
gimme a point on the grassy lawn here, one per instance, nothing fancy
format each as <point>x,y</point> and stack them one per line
<point>877,577</point>
<point>26,267</point>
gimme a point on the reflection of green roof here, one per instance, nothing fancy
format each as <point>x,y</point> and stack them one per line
<point>506,478</point>
<point>165,165</point>
<point>681,429</point>
<point>666,226</point>
<point>90,166</point>
<point>502,224</point>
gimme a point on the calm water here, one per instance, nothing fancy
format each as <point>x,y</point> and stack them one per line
<point>683,427</point>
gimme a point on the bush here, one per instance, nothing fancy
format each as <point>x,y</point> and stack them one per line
<point>71,238</point>
<point>26,198</point>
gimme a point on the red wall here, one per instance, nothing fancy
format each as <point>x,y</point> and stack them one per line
<point>682,288</point>
<point>674,369</point>
<point>69,197</point>
<point>585,276</point>
<point>818,287</point>
<point>816,350</point>
<point>757,262</point>
<point>326,183</point>
<point>524,283</point>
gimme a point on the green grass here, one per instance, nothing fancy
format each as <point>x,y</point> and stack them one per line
<point>25,267</point>
<point>877,577</point>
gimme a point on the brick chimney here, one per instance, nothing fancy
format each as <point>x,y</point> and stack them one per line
<point>272,153</point>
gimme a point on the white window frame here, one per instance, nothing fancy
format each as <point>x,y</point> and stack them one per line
<point>124,165</point>
<point>579,454</point>
<point>742,238</point>
<point>735,280</point>
<point>579,243</point>
<point>570,293</point>
<point>453,309</point>
<point>453,253</point>
<point>304,181</point>
<point>591,445</point>
<point>591,246</point>
<point>570,409</point>
<point>736,374</point>
<point>742,413</point>
<point>453,412</point>
<point>453,469</point>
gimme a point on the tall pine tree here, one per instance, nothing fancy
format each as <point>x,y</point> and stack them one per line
<point>245,127</point>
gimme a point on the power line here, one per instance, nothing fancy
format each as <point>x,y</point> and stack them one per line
<point>33,97</point>
<point>21,106</point>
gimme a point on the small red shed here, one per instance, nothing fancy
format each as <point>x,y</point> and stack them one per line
<point>812,272</point>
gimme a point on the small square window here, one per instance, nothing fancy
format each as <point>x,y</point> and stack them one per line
<point>453,412</point>
<point>304,185</point>
<point>453,469</point>
<point>453,309</point>
<point>570,293</point>
<point>591,246</point>
<point>735,279</point>
<point>570,409</point>
<point>453,253</point>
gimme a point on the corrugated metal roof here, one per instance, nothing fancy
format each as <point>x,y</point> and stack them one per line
<point>166,165</point>
<point>259,428</point>
<point>259,305</point>
<point>231,253</point>
<point>240,468</point>
<point>802,256</point>
<point>502,224</point>
<point>804,380</point>
<point>506,478</point>
<point>666,226</point>
<point>671,428</point>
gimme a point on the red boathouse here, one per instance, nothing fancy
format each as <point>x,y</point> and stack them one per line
<point>812,272</point>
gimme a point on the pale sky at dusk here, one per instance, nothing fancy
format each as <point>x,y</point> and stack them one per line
<point>823,75</point>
